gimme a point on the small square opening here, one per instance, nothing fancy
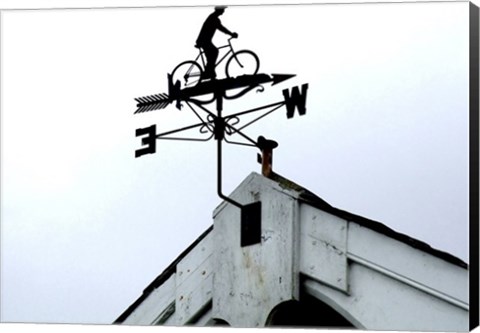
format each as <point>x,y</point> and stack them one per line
<point>251,224</point>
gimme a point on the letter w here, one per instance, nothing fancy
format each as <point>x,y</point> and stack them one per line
<point>296,100</point>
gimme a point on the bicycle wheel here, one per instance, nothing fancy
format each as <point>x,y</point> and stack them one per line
<point>188,73</point>
<point>243,62</point>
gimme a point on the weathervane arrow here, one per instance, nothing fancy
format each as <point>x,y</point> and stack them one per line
<point>248,82</point>
<point>220,87</point>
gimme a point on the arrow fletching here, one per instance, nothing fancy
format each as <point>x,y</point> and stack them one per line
<point>152,102</point>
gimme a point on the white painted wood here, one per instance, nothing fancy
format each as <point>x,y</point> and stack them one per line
<point>171,321</point>
<point>194,258</point>
<point>378,302</point>
<point>194,294</point>
<point>324,226</point>
<point>323,247</point>
<point>374,281</point>
<point>250,281</point>
<point>205,319</point>
<point>408,262</point>
<point>149,310</point>
<point>194,281</point>
<point>167,315</point>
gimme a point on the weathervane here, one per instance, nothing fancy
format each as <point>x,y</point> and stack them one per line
<point>193,79</point>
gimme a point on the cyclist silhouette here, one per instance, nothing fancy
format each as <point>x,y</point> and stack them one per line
<point>204,40</point>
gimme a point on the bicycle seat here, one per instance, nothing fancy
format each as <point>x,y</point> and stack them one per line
<point>198,47</point>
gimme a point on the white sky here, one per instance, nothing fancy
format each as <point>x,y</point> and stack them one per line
<point>85,226</point>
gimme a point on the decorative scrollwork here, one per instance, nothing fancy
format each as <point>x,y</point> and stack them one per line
<point>206,128</point>
<point>261,88</point>
<point>241,93</point>
<point>198,102</point>
<point>231,122</point>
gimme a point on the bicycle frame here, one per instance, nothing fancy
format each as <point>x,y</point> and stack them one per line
<point>201,54</point>
<point>196,68</point>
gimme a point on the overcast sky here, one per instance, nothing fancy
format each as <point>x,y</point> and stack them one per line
<point>85,226</point>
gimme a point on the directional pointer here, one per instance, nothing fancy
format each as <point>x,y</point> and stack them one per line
<point>248,82</point>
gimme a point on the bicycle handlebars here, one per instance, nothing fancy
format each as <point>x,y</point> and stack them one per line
<point>230,43</point>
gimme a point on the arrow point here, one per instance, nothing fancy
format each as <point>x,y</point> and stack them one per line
<point>277,78</point>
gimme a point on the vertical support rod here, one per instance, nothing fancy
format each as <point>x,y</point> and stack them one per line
<point>219,136</point>
<point>219,177</point>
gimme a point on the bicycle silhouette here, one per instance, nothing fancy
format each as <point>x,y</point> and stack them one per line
<point>190,73</point>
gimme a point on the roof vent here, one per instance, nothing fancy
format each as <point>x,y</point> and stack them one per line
<point>266,159</point>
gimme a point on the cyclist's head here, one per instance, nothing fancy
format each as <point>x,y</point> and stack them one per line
<point>220,9</point>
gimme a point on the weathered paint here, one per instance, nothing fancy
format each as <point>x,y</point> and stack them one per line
<point>374,281</point>
<point>378,302</point>
<point>152,308</point>
<point>323,249</point>
<point>250,281</point>
<point>194,281</point>
<point>405,261</point>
